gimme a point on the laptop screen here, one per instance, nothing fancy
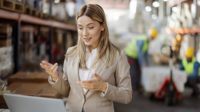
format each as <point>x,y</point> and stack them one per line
<point>22,103</point>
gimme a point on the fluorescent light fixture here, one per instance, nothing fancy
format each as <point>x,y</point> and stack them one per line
<point>56,1</point>
<point>148,8</point>
<point>156,4</point>
<point>165,0</point>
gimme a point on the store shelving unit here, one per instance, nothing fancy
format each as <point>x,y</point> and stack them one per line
<point>34,20</point>
<point>29,22</point>
<point>19,20</point>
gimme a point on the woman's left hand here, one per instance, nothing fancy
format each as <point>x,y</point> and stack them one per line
<point>95,84</point>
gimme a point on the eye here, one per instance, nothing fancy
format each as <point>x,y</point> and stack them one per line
<point>80,28</point>
<point>91,27</point>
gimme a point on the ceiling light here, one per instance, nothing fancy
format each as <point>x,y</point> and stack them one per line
<point>56,1</point>
<point>156,4</point>
<point>148,8</point>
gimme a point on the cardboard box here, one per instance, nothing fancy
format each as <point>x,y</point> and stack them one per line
<point>5,42</point>
<point>31,83</point>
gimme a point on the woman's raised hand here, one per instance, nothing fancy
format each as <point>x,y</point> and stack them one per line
<point>96,83</point>
<point>50,69</point>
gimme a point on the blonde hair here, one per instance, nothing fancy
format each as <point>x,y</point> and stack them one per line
<point>105,48</point>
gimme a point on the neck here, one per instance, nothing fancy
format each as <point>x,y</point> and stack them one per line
<point>90,48</point>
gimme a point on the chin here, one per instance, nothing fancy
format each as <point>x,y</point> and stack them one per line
<point>88,44</point>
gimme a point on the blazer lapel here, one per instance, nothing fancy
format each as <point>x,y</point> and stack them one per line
<point>76,75</point>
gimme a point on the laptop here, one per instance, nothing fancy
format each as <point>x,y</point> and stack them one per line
<point>22,103</point>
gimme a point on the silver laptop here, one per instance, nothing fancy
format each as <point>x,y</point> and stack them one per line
<point>22,103</point>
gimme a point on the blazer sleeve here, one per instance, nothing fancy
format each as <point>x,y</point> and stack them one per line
<point>62,84</point>
<point>122,91</point>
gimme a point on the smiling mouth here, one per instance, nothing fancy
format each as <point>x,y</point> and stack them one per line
<point>87,39</point>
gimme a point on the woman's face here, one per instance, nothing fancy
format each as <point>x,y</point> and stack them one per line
<point>89,31</point>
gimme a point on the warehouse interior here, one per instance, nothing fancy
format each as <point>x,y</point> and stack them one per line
<point>36,30</point>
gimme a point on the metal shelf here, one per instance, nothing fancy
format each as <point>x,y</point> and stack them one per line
<point>185,30</point>
<point>35,20</point>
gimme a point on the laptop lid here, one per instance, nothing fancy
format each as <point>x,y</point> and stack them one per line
<point>22,103</point>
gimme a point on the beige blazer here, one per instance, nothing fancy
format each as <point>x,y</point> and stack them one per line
<point>119,85</point>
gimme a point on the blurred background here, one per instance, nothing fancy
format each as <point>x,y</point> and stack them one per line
<point>34,30</point>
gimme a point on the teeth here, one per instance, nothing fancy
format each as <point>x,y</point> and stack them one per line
<point>87,39</point>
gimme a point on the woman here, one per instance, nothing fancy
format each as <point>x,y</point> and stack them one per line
<point>96,73</point>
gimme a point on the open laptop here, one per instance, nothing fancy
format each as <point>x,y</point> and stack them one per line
<point>22,103</point>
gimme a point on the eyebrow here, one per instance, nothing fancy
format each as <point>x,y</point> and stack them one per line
<point>87,24</point>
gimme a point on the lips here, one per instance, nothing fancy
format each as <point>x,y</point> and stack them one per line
<point>87,39</point>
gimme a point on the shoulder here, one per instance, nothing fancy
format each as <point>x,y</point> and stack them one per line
<point>71,51</point>
<point>117,52</point>
<point>114,49</point>
<point>120,58</point>
<point>122,55</point>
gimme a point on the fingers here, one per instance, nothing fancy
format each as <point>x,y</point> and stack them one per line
<point>97,77</point>
<point>54,68</point>
<point>51,69</point>
<point>45,65</point>
<point>95,84</point>
<point>87,84</point>
<point>88,81</point>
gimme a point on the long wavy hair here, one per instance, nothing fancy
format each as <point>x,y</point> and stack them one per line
<point>105,48</point>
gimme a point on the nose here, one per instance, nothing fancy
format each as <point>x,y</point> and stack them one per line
<point>85,32</point>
